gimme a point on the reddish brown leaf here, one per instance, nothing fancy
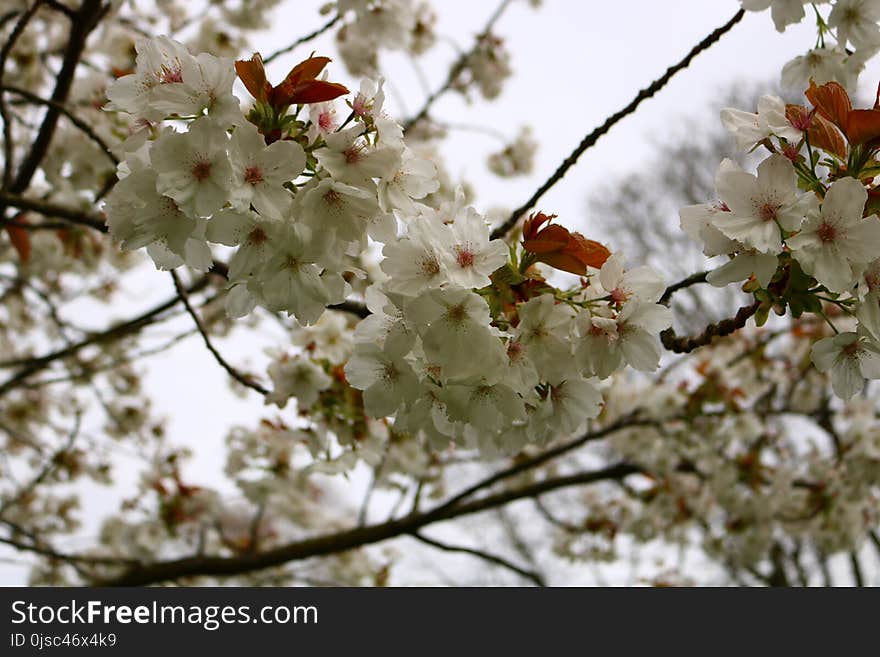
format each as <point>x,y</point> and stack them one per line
<point>253,75</point>
<point>308,69</point>
<point>590,252</point>
<point>534,223</point>
<point>21,241</point>
<point>551,238</point>
<point>863,125</point>
<point>831,101</point>
<point>822,133</point>
<point>565,262</point>
<point>826,136</point>
<point>316,91</point>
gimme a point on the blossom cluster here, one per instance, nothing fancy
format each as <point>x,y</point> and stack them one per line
<point>853,26</point>
<point>466,342</point>
<point>803,230</point>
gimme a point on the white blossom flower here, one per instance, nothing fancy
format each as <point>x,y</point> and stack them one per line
<point>412,178</point>
<point>193,167</point>
<point>385,325</point>
<point>763,205</point>
<point>330,337</point>
<point>517,158</point>
<point>250,232</point>
<point>414,263</point>
<point>836,245</point>
<point>570,403</point>
<point>343,209</point>
<point>748,129</point>
<point>851,358</point>
<point>468,253</point>
<point>388,381</point>
<point>821,65</point>
<point>698,222</point>
<point>260,171</point>
<point>784,12</point>
<point>487,407</point>
<point>454,327</point>
<point>139,216</point>
<point>642,283</point>
<point>744,264</point>
<point>351,159</point>
<point>856,22</point>
<point>323,120</point>
<point>638,327</point>
<point>292,282</point>
<point>545,328</point>
<point>296,377</point>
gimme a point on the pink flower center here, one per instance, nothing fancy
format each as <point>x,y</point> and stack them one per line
<point>791,152</point>
<point>353,155</point>
<point>851,350</point>
<point>514,351</point>
<point>464,256</point>
<point>253,176</point>
<point>325,121</point>
<point>169,75</point>
<point>827,232</point>
<point>201,171</point>
<point>257,236</point>
<point>768,211</point>
<point>332,198</point>
<point>618,296</point>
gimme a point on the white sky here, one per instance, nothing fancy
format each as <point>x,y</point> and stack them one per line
<point>575,63</point>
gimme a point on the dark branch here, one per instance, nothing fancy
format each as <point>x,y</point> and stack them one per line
<point>308,37</point>
<point>686,344</point>
<point>74,119</point>
<point>590,140</point>
<point>352,538</point>
<point>693,279</point>
<point>95,222</point>
<point>87,17</point>
<point>234,373</point>
<point>17,31</point>
<point>530,575</point>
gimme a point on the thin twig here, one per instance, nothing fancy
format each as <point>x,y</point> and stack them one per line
<point>243,379</point>
<point>530,575</point>
<point>590,140</point>
<point>457,67</point>
<point>308,37</point>
<point>74,119</point>
<point>45,208</point>
<point>858,577</point>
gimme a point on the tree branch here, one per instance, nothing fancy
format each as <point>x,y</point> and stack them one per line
<point>234,373</point>
<point>308,37</point>
<point>17,31</point>
<point>686,344</point>
<point>530,575</point>
<point>83,218</point>
<point>74,119</point>
<point>457,67</point>
<point>591,139</point>
<point>87,17</point>
<point>30,366</point>
<point>352,538</point>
